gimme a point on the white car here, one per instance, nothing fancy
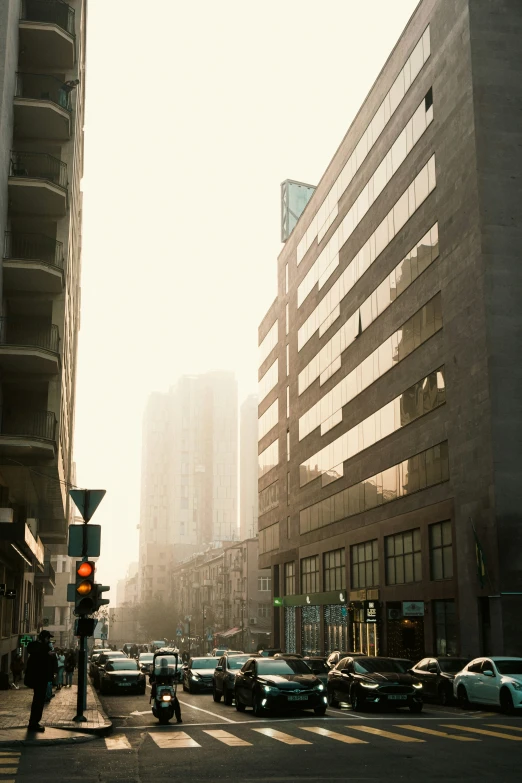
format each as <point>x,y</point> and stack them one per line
<point>492,680</point>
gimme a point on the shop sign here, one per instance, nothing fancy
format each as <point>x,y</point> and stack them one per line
<point>413,608</point>
<point>370,611</point>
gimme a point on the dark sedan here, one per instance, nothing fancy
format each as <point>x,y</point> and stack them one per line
<point>102,661</point>
<point>198,675</point>
<point>318,666</point>
<point>225,676</point>
<point>278,684</point>
<point>379,681</point>
<point>336,656</point>
<point>437,675</point>
<point>122,674</point>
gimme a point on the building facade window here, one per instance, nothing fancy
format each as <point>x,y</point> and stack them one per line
<point>268,498</point>
<point>264,583</point>
<point>441,550</point>
<point>403,558</point>
<point>334,570</point>
<point>263,610</point>
<point>445,619</point>
<point>310,574</point>
<point>290,578</point>
<point>269,539</point>
<point>365,565</point>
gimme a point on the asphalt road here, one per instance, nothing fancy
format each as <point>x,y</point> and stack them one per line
<point>216,743</point>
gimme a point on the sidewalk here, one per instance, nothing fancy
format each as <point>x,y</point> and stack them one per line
<point>15,706</point>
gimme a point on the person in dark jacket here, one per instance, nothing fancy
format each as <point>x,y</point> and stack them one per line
<point>38,673</point>
<point>70,666</point>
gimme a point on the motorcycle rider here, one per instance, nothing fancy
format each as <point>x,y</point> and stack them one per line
<point>164,679</point>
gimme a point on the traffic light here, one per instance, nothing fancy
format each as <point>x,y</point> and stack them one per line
<point>97,596</point>
<point>84,588</point>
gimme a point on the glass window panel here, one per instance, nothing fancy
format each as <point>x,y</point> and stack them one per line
<point>417,566</point>
<point>399,570</point>
<point>408,568</point>
<point>447,562</point>
<point>416,60</point>
<point>446,533</point>
<point>399,151</point>
<point>407,539</point>
<point>436,564</point>
<point>403,275</point>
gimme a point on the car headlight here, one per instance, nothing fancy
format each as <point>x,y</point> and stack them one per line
<point>417,685</point>
<point>372,685</point>
<point>319,687</point>
<point>194,675</point>
<point>270,689</point>
<point>516,685</point>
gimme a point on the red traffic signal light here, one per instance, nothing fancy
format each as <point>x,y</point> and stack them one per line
<point>85,569</point>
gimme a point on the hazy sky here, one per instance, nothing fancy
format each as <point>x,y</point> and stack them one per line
<point>195,113</point>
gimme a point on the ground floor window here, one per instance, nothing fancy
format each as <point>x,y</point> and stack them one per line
<point>364,635</point>
<point>335,629</point>
<point>311,630</point>
<point>290,639</point>
<point>445,619</point>
<point>404,635</point>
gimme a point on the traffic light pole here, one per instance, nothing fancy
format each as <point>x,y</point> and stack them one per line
<point>81,700</point>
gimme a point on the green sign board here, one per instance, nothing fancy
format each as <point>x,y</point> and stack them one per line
<point>278,602</point>
<point>25,639</point>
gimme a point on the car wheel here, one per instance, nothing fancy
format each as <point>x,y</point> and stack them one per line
<point>445,695</point>
<point>259,710</point>
<point>321,710</point>
<point>462,696</point>
<point>190,688</point>
<point>228,696</point>
<point>506,702</point>
<point>240,707</point>
<point>332,701</point>
<point>356,700</point>
<point>416,707</point>
<point>215,695</point>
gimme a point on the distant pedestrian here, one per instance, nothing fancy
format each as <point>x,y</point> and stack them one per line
<point>70,666</point>
<point>38,673</point>
<point>17,668</point>
<point>60,661</point>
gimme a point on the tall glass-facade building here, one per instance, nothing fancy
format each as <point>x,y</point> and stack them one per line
<point>389,415</point>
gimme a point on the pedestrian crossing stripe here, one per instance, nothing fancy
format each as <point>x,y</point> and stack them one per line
<point>175,739</point>
<point>434,733</point>
<point>335,735</point>
<point>118,742</point>
<point>227,738</point>
<point>487,733</point>
<point>282,737</point>
<point>503,726</point>
<point>387,734</point>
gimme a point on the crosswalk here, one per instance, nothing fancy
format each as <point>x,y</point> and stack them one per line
<point>9,760</point>
<point>352,734</point>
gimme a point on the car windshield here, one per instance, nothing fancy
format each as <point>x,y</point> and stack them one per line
<point>509,667</point>
<point>146,657</point>
<point>318,667</point>
<point>452,665</point>
<point>122,665</point>
<point>377,665</point>
<point>203,663</point>
<point>283,666</point>
<point>115,655</point>
<point>237,662</point>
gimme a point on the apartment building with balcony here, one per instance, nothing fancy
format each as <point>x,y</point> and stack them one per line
<point>226,596</point>
<point>42,83</point>
<point>389,404</point>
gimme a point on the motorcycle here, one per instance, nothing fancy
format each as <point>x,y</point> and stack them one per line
<point>164,678</point>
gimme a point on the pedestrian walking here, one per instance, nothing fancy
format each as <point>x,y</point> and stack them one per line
<point>17,668</point>
<point>60,661</point>
<point>70,666</point>
<point>38,673</point>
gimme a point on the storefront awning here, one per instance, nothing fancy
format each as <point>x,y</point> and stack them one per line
<point>231,632</point>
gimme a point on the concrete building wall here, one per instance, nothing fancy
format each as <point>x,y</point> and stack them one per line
<point>248,467</point>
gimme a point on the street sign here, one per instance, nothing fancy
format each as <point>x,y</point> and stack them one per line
<point>76,536</point>
<point>87,501</point>
<point>179,632</point>
<point>370,611</point>
<point>103,636</point>
<point>413,608</point>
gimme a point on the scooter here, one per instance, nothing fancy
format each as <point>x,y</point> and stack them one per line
<point>164,678</point>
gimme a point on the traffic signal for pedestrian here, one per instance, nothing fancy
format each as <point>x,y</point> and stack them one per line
<point>84,588</point>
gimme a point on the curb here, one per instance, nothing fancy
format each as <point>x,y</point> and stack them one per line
<point>23,741</point>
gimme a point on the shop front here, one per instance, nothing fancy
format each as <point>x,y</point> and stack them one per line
<point>316,623</point>
<point>405,629</point>
<point>365,613</point>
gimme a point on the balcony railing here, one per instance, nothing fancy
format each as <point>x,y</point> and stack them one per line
<point>33,247</point>
<point>30,424</point>
<point>43,88</point>
<point>49,12</point>
<point>19,334</point>
<point>39,165</point>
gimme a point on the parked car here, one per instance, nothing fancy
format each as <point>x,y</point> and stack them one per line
<point>93,661</point>
<point>437,676</point>
<point>382,681</point>
<point>145,662</point>
<point>492,680</point>
<point>318,666</point>
<point>224,677</point>
<point>269,652</point>
<point>278,684</point>
<point>336,656</point>
<point>104,658</point>
<point>198,674</point>
<point>122,674</point>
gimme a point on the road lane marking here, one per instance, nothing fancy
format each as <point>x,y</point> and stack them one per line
<point>335,735</point>
<point>282,737</point>
<point>214,714</point>
<point>227,738</point>
<point>179,739</point>
<point>503,726</point>
<point>435,733</point>
<point>118,742</point>
<point>387,734</point>
<point>483,731</point>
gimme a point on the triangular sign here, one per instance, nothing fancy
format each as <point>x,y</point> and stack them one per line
<point>87,501</point>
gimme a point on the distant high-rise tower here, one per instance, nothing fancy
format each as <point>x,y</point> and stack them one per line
<point>189,473</point>
<point>248,493</point>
